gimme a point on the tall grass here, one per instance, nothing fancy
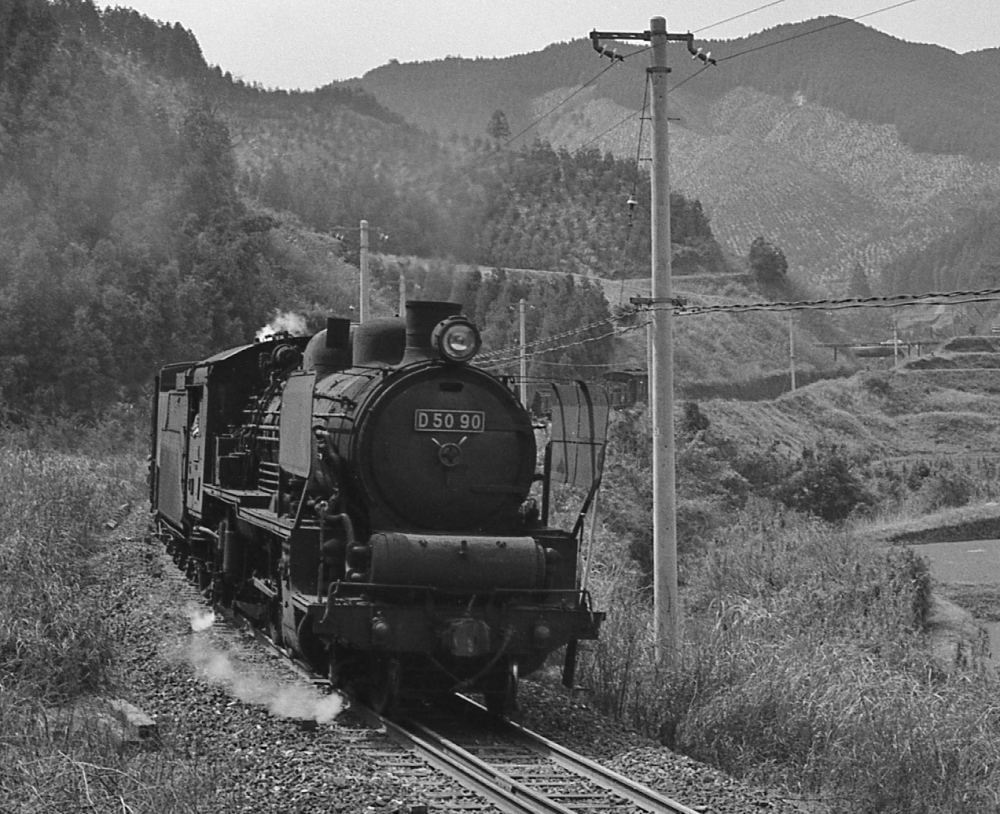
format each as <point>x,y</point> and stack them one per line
<point>57,643</point>
<point>805,662</point>
<point>53,635</point>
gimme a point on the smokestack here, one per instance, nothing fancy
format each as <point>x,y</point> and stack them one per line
<point>379,342</point>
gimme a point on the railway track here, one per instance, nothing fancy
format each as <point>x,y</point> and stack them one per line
<point>481,761</point>
<point>493,759</point>
<point>518,770</point>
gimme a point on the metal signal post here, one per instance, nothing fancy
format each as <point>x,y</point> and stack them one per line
<point>667,612</point>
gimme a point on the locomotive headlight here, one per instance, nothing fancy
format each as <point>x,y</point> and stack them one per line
<point>456,339</point>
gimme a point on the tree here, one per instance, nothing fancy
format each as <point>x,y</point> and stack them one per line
<point>767,262</point>
<point>208,192</point>
<point>498,128</point>
<point>859,286</point>
<point>28,35</point>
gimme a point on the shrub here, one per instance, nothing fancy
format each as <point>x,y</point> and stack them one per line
<point>943,488</point>
<point>825,485</point>
<point>877,384</point>
<point>694,420</point>
<point>707,487</point>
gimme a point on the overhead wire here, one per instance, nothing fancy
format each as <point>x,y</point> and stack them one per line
<point>896,301</point>
<point>628,118</point>
<point>815,30</point>
<point>510,353</point>
<point>738,16</point>
<point>505,356</point>
<point>554,337</point>
<point>632,201</point>
<point>575,93</point>
<point>555,107</point>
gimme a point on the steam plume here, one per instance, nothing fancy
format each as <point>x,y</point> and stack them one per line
<point>294,324</point>
<point>282,701</point>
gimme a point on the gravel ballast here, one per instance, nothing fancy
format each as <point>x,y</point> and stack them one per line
<point>248,721</point>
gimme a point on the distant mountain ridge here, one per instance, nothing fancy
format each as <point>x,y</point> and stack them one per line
<point>939,100</point>
<point>841,144</point>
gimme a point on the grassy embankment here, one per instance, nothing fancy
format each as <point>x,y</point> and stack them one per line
<point>58,637</point>
<point>806,657</point>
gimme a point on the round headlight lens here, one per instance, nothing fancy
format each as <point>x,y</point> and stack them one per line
<point>457,340</point>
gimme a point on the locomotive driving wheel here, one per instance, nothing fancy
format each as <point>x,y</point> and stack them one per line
<point>384,681</point>
<point>500,692</point>
<point>335,666</point>
<point>273,624</point>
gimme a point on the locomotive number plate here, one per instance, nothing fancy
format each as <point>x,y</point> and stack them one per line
<point>454,420</point>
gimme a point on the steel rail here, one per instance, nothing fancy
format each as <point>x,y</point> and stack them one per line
<point>507,794</point>
<point>619,784</point>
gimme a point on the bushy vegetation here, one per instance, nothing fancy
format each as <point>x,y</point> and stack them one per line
<point>824,483</point>
<point>834,481</point>
<point>806,659</point>
<point>804,662</point>
<point>57,641</point>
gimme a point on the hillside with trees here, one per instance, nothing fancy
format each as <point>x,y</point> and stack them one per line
<point>841,144</point>
<point>940,101</point>
<point>970,254</point>
<point>125,242</point>
<point>156,210</point>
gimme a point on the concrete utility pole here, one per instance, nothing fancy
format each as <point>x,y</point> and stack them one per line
<point>791,348</point>
<point>365,282</point>
<point>895,344</point>
<point>667,599</point>
<point>667,611</point>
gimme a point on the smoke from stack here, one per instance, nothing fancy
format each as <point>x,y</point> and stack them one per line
<point>290,323</point>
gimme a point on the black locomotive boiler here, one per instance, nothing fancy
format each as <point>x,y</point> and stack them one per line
<point>366,495</point>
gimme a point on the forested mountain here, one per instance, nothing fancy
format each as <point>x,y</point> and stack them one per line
<point>153,209</point>
<point>939,101</point>
<point>843,145</point>
<point>124,241</point>
<point>967,258</point>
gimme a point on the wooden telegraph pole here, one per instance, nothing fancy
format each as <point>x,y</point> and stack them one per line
<point>667,611</point>
<point>364,280</point>
<point>523,354</point>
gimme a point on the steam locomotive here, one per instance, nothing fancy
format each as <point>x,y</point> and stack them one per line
<point>366,496</point>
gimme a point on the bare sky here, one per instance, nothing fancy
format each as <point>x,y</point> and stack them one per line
<point>308,43</point>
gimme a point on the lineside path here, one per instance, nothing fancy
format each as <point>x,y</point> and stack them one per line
<point>969,568</point>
